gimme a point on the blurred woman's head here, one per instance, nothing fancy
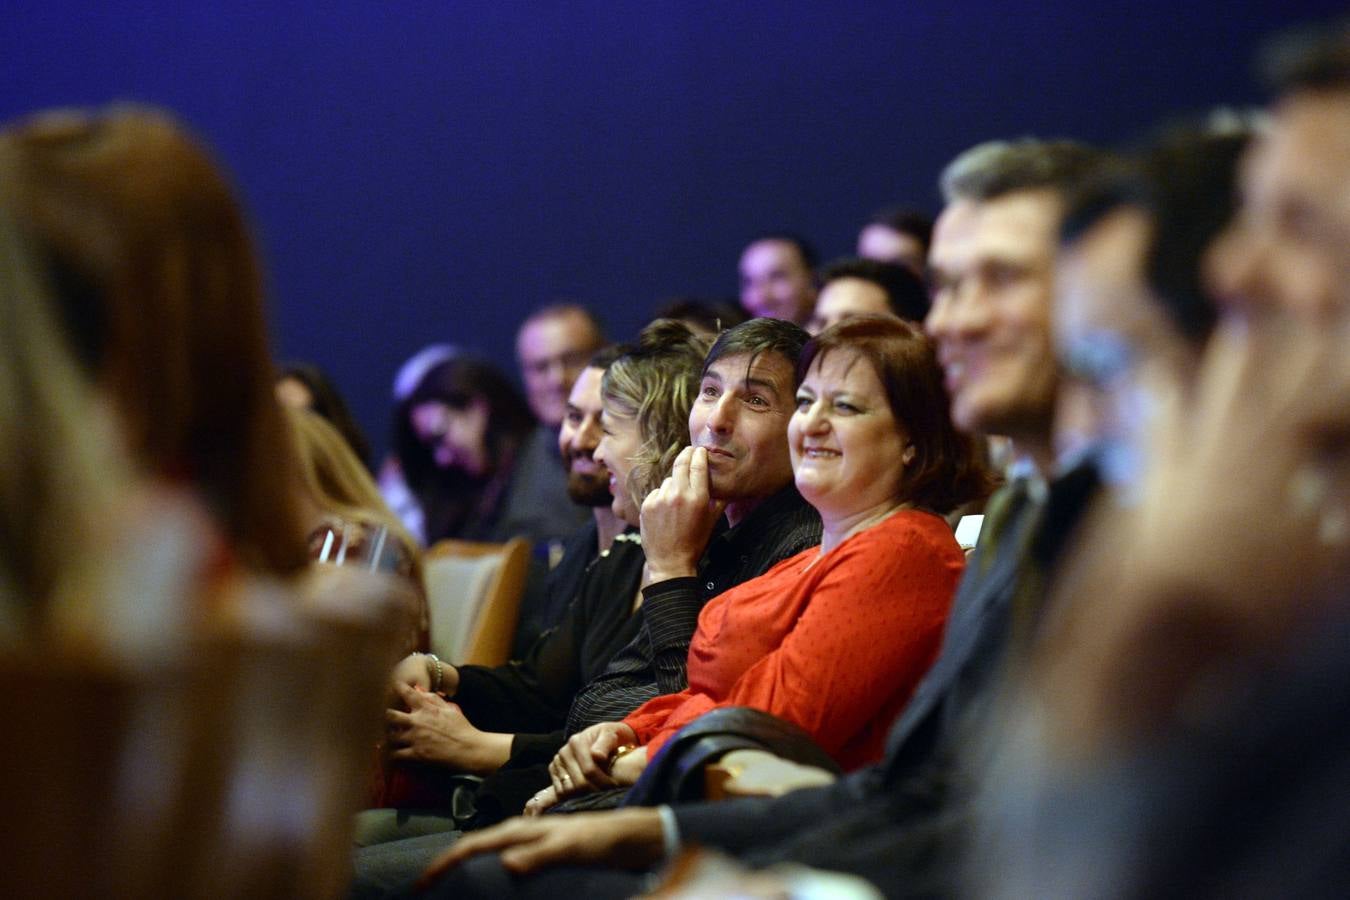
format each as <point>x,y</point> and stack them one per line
<point>464,414</point>
<point>457,433</point>
<point>873,425</point>
<point>147,256</point>
<point>647,394</point>
<point>305,386</point>
<point>336,483</point>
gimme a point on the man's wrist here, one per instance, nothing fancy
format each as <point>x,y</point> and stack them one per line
<point>665,572</point>
<point>670,831</point>
<point>644,834</point>
<point>493,752</point>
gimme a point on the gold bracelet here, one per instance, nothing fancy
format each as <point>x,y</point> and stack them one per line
<point>621,752</point>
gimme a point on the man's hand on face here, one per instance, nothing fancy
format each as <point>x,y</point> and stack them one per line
<point>625,838</point>
<point>678,518</point>
<point>1243,502</point>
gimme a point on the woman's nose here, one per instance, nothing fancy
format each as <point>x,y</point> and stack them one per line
<point>814,419</point>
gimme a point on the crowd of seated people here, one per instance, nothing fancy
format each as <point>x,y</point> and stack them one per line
<point>754,660</point>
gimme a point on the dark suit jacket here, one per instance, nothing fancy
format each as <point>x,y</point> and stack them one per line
<point>890,820</point>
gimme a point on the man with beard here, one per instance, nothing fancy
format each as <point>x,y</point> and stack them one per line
<point>588,488</point>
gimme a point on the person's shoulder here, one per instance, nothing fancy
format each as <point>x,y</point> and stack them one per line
<point>912,529</point>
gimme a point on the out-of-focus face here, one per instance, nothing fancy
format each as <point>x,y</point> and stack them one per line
<point>740,416</point>
<point>552,351</point>
<point>848,451</point>
<point>587,479</point>
<point>1106,322</point>
<point>844,297</point>
<point>1102,303</point>
<point>294,394</point>
<point>620,441</point>
<point>776,282</point>
<point>1287,248</point>
<point>884,244</point>
<point>457,437</point>
<point>992,267</point>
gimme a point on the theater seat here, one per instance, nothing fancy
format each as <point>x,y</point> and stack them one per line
<point>473,595</point>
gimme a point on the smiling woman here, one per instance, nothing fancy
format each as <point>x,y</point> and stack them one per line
<point>457,437</point>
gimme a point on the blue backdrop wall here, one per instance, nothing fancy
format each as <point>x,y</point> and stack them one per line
<point>424,171</point>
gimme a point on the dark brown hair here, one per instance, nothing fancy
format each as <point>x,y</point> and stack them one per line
<point>947,470</point>
<point>155,280</point>
<point>455,503</point>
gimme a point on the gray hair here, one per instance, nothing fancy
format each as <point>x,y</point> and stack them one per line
<point>995,168</point>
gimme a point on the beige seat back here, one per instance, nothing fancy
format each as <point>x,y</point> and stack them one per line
<point>473,595</point>
<point>231,771</point>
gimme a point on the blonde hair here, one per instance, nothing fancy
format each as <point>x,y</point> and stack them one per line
<point>60,470</point>
<point>338,482</point>
<point>656,383</point>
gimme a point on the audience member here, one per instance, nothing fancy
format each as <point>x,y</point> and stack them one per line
<point>552,347</point>
<point>898,235</point>
<point>347,518</point>
<point>776,278</point>
<point>854,287</point>
<point>305,386</point>
<point>458,437</point>
<point>156,283</point>
<point>158,660</point>
<point>498,714</point>
<point>1132,318</point>
<point>889,821</point>
<point>543,607</point>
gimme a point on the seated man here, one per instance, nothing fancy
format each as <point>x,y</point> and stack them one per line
<point>899,235</point>
<point>855,287</point>
<point>777,278</point>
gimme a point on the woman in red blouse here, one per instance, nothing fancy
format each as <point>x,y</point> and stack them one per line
<point>835,638</point>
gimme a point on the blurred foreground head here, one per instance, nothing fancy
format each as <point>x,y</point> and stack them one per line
<point>140,242</point>
<point>1289,249</point>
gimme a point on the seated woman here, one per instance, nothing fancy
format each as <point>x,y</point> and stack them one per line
<point>501,716</point>
<point>148,505</point>
<point>834,639</point>
<point>347,518</point>
<point>456,439</point>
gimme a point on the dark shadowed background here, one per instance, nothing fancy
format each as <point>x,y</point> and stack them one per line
<point>423,171</point>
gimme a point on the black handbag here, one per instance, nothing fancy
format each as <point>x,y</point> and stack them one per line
<point>676,774</point>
